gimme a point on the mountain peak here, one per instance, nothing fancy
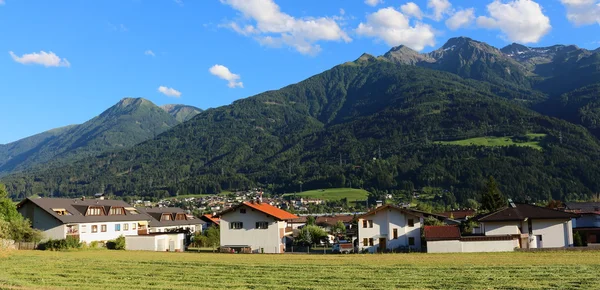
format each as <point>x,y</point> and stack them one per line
<point>126,102</point>
<point>459,41</point>
<point>181,113</point>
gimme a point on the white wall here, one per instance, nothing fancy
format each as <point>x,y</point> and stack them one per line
<point>140,243</point>
<point>268,239</point>
<point>456,246</point>
<point>555,233</point>
<point>155,242</point>
<point>86,235</point>
<point>384,223</point>
<point>502,228</point>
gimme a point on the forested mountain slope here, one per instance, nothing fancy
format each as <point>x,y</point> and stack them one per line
<point>372,123</point>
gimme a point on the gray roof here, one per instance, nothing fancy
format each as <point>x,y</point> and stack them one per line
<point>583,206</point>
<point>77,208</point>
<point>525,211</point>
<point>155,214</point>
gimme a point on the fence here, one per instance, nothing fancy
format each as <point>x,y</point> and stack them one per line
<point>25,245</point>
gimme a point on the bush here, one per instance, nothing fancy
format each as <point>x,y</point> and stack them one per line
<point>61,244</point>
<point>94,244</point>
<point>116,244</point>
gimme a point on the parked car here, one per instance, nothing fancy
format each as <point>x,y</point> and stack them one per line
<point>343,248</point>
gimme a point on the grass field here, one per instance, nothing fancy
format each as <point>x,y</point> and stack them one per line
<point>533,142</point>
<point>103,269</point>
<point>352,194</point>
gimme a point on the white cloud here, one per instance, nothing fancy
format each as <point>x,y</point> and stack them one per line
<point>394,28</point>
<point>412,9</point>
<point>342,11</point>
<point>583,12</point>
<point>440,8</point>
<point>520,20</point>
<point>46,59</point>
<point>2,2</point>
<point>373,2</point>
<point>149,52</point>
<point>169,92</point>
<point>462,18</point>
<point>179,2</point>
<point>223,73</point>
<point>283,29</point>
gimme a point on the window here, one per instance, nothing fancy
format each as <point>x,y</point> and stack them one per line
<point>61,211</point>
<point>370,223</point>
<point>262,225</point>
<point>236,225</point>
<point>94,211</point>
<point>125,227</point>
<point>133,226</point>
<point>411,223</point>
<point>365,241</point>
<point>364,223</point>
<point>166,217</point>
<point>395,234</point>
<point>94,229</point>
<point>117,211</point>
<point>180,217</point>
<point>242,210</point>
<point>131,210</point>
<point>411,241</point>
<point>83,229</point>
<point>370,241</point>
<point>117,227</point>
<point>103,228</point>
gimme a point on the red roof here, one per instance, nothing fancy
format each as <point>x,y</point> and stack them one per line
<point>441,233</point>
<point>332,220</point>
<point>262,207</point>
<point>212,218</point>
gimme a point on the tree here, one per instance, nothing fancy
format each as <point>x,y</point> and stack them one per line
<point>310,221</point>
<point>554,204</point>
<point>213,236</point>
<point>339,229</point>
<point>12,224</point>
<point>432,221</point>
<point>311,234</point>
<point>491,197</point>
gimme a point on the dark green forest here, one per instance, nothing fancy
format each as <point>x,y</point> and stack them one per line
<point>372,123</point>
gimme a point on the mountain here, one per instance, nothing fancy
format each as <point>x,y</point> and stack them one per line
<point>181,113</point>
<point>386,125</point>
<point>125,124</point>
<point>467,58</point>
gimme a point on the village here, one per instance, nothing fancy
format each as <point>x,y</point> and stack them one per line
<point>250,223</point>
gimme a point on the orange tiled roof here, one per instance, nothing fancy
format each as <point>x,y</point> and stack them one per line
<point>212,218</point>
<point>440,233</point>
<point>271,210</point>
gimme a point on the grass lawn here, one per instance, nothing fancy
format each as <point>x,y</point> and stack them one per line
<point>352,194</point>
<point>533,142</point>
<point>104,269</point>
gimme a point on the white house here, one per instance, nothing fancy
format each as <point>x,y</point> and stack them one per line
<point>254,226</point>
<point>534,226</point>
<point>165,219</point>
<point>160,242</point>
<point>87,220</point>
<point>389,227</point>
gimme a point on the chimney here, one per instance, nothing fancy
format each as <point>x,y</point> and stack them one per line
<point>260,197</point>
<point>83,198</point>
<point>379,203</point>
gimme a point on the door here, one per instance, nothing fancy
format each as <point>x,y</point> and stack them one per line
<point>171,246</point>
<point>538,241</point>
<point>382,244</point>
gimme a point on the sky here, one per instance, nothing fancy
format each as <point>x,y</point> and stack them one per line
<point>64,62</point>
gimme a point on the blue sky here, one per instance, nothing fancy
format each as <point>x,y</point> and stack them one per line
<point>64,62</point>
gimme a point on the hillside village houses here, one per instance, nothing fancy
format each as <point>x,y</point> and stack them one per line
<point>254,227</point>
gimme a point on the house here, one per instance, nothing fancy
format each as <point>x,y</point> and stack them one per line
<point>254,226</point>
<point>459,215</point>
<point>588,222</point>
<point>297,223</point>
<point>448,239</point>
<point>210,220</point>
<point>389,227</point>
<point>535,226</point>
<point>158,242</point>
<point>87,220</point>
<point>166,219</point>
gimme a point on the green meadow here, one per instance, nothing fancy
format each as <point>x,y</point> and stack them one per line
<point>104,269</point>
<point>533,141</point>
